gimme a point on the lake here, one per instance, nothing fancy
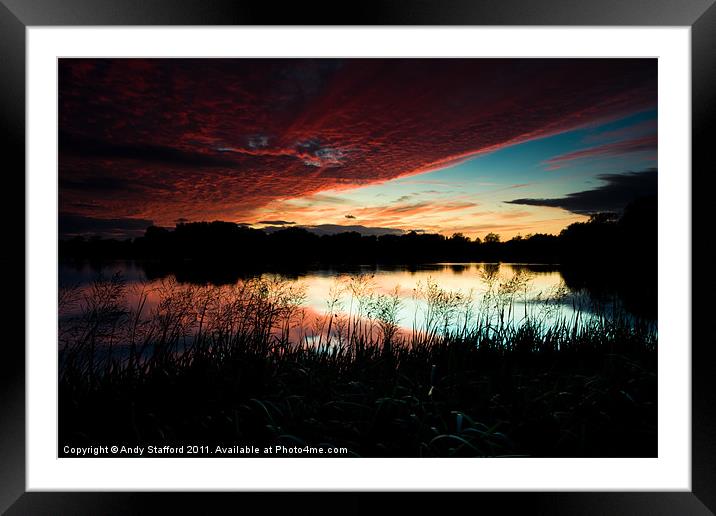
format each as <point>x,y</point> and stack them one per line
<point>442,297</point>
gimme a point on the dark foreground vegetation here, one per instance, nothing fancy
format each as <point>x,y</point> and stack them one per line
<point>224,366</point>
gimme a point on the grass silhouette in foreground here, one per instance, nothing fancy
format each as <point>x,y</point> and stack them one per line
<point>240,365</point>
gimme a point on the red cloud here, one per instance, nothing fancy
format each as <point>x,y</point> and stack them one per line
<point>219,138</point>
<point>642,144</point>
<point>631,131</point>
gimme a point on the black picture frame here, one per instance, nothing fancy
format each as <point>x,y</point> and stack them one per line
<point>17,15</point>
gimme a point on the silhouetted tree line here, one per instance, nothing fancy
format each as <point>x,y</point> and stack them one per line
<point>631,237</point>
<point>606,255</point>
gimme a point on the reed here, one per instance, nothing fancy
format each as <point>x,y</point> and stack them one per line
<point>241,363</point>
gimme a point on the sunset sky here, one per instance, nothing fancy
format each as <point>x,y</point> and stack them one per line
<point>512,146</point>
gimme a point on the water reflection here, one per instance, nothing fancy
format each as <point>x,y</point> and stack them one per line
<point>547,291</point>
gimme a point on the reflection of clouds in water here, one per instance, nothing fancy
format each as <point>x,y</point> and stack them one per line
<point>543,291</point>
<point>535,290</point>
<point>82,273</point>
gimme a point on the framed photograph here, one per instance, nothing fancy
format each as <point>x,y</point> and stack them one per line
<point>424,248</point>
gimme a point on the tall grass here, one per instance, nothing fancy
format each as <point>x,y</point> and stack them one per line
<point>467,376</point>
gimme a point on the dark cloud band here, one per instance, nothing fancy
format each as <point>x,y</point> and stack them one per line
<point>76,225</point>
<point>618,191</point>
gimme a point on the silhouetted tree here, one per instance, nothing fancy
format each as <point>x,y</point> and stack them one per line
<point>492,238</point>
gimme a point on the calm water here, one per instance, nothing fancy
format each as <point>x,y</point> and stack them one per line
<point>476,290</point>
